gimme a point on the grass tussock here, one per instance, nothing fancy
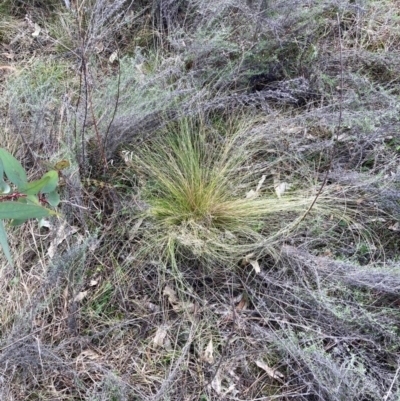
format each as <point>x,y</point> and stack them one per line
<point>206,199</point>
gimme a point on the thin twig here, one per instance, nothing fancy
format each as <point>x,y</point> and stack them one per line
<point>389,392</point>
<point>89,104</point>
<point>225,348</point>
<point>116,101</point>
<point>95,123</point>
<point>338,128</point>
<point>178,366</point>
<point>81,85</point>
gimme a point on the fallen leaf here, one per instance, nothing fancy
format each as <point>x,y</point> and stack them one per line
<point>170,293</point>
<point>99,47</point>
<point>127,156</point>
<point>280,188</point>
<point>177,306</point>
<point>327,253</point>
<point>291,130</point>
<point>159,337</point>
<point>249,260</point>
<point>208,352</point>
<point>255,265</point>
<point>63,232</point>
<point>260,183</point>
<point>152,307</point>
<point>310,136</point>
<point>88,355</point>
<point>135,229</point>
<point>113,57</point>
<point>36,33</point>
<point>80,296</point>
<point>183,306</point>
<point>395,227</point>
<point>378,219</point>
<point>356,226</point>
<point>216,383</point>
<point>93,283</point>
<point>251,194</point>
<point>273,373</point>
<point>242,305</point>
<point>232,388</point>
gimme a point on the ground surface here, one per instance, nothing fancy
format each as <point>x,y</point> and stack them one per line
<point>230,215</point>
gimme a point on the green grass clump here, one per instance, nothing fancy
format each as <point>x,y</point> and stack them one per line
<point>197,181</point>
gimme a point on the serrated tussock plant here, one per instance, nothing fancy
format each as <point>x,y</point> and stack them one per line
<point>207,200</point>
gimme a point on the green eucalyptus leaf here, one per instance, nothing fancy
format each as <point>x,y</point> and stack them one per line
<point>53,198</point>
<point>17,210</point>
<point>30,199</point>
<point>4,243</point>
<point>34,187</point>
<point>4,187</point>
<point>18,222</point>
<point>52,183</point>
<point>13,169</point>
